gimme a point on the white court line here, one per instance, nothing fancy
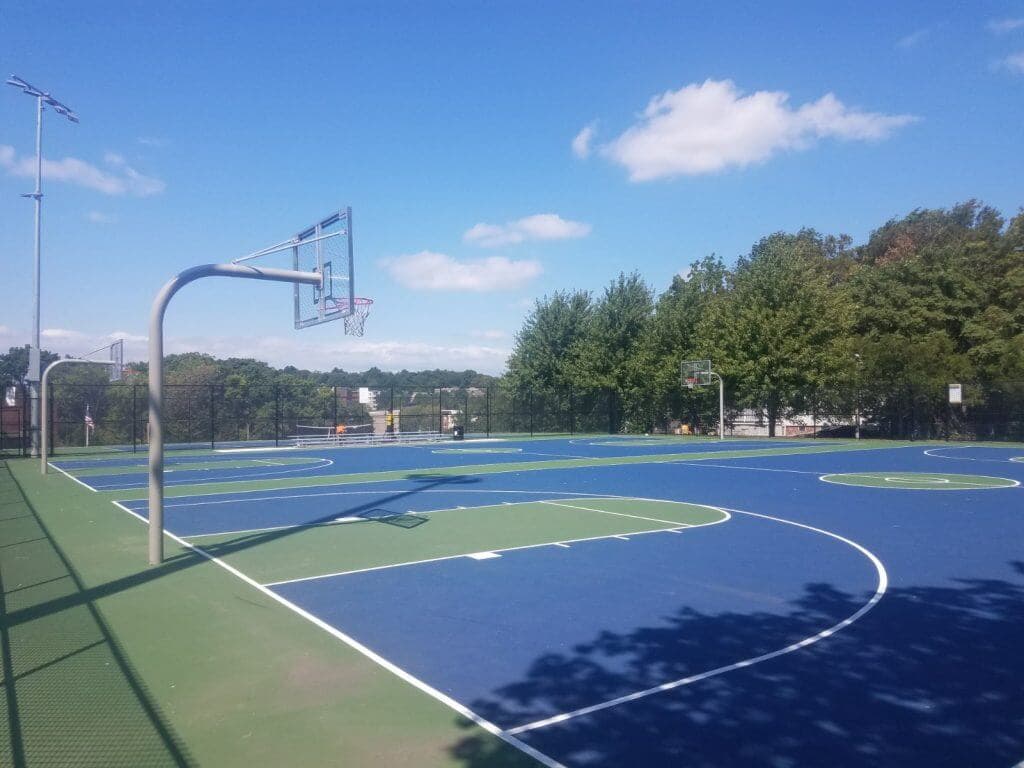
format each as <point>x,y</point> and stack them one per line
<point>757,469</point>
<point>114,486</point>
<point>512,467</point>
<point>936,487</point>
<point>561,455</point>
<point>357,519</point>
<point>467,713</point>
<point>883,583</point>
<point>352,493</point>
<point>673,523</point>
<point>560,543</point>
<point>1010,460</point>
<point>84,485</point>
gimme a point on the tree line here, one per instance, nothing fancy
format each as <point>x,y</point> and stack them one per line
<point>805,322</point>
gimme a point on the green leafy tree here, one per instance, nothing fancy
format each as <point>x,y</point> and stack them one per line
<point>14,364</point>
<point>781,329</point>
<point>613,352</point>
<point>544,348</point>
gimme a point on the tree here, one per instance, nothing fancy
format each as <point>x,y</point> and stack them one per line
<point>673,336</point>
<point>545,346</point>
<point>613,352</point>
<point>781,329</point>
<point>14,364</point>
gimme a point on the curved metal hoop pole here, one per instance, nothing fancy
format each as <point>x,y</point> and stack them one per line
<point>156,375</point>
<point>44,424</point>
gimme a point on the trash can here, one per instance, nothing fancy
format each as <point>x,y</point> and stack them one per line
<point>458,432</point>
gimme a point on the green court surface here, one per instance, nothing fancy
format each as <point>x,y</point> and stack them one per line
<point>107,662</point>
<point>920,481</point>
<point>367,544</point>
<point>199,463</point>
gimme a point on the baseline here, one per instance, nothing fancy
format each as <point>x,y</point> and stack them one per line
<point>880,590</point>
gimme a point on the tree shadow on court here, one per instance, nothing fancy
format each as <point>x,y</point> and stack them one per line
<point>189,558</point>
<point>70,694</point>
<point>931,676</point>
<point>119,723</point>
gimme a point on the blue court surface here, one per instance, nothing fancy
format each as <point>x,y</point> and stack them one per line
<point>131,472</point>
<point>719,612</point>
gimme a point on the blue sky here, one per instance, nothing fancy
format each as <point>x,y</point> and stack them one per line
<point>492,153</point>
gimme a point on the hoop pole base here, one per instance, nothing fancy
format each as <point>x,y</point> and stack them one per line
<point>156,375</point>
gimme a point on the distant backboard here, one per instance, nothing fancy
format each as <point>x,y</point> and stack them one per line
<point>325,247</point>
<point>117,360</point>
<point>695,373</point>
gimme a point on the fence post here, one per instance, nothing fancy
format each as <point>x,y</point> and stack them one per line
<point>487,405</point>
<point>213,419</point>
<point>531,413</point>
<point>277,415</point>
<point>572,414</point>
<point>53,422</point>
<point>334,389</point>
<point>135,419</point>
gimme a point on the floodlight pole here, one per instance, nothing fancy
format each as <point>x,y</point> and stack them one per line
<point>32,375</point>
<point>721,405</point>
<point>156,375</point>
<point>44,427</point>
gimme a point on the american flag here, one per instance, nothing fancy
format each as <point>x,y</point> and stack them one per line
<point>89,424</point>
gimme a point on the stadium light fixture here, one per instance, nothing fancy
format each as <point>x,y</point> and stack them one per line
<point>41,97</point>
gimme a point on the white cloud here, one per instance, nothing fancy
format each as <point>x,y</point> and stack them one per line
<point>352,354</point>
<point>1014,63</point>
<point>911,40</point>
<point>303,350</point>
<point>152,141</point>
<point>490,334</point>
<point>711,126</point>
<point>541,226</point>
<point>1002,26</point>
<point>582,140</point>
<point>119,179</point>
<point>431,271</point>
<point>98,217</point>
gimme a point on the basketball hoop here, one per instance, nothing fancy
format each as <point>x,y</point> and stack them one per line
<point>356,319</point>
<point>691,382</point>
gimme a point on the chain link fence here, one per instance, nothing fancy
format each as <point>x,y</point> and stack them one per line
<point>114,417</point>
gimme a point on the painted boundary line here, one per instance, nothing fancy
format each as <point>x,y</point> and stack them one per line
<point>1011,460</point>
<point>412,474</point>
<point>673,525</point>
<point>356,518</point>
<point>464,711</point>
<point>252,476</point>
<point>559,543</point>
<point>363,493</point>
<point>883,584</point>
<point>72,477</point>
<point>887,483</point>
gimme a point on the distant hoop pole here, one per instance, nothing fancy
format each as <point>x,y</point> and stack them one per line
<point>44,425</point>
<point>156,375</point>
<point>721,406</point>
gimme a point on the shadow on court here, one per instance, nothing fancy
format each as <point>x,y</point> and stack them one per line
<point>931,677</point>
<point>70,694</point>
<point>376,511</point>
